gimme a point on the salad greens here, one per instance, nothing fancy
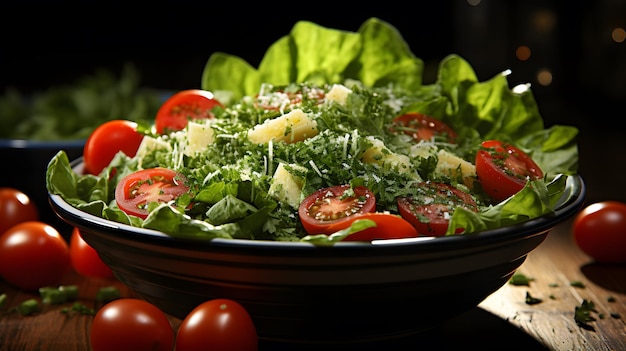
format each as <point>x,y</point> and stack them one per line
<point>234,179</point>
<point>72,111</point>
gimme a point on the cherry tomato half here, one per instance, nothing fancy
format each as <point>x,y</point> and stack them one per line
<point>107,140</point>
<point>504,169</point>
<point>15,207</point>
<point>129,324</point>
<point>286,100</point>
<point>135,191</point>
<point>32,255</point>
<point>430,209</point>
<point>218,324</point>
<point>85,259</point>
<point>599,230</point>
<point>183,106</point>
<point>388,226</point>
<point>423,127</point>
<point>332,205</point>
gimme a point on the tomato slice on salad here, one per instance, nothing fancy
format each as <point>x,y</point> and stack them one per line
<point>136,190</point>
<point>388,226</point>
<point>504,169</point>
<point>183,106</point>
<point>287,99</point>
<point>332,205</point>
<point>423,127</point>
<point>430,208</point>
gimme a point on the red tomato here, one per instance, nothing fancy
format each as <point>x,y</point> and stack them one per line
<point>135,191</point>
<point>422,127</point>
<point>32,255</point>
<point>388,226</point>
<point>107,140</point>
<point>430,208</point>
<point>599,230</point>
<point>503,169</point>
<point>219,324</point>
<point>85,259</point>
<point>176,111</point>
<point>284,100</point>
<point>332,205</point>
<point>131,324</point>
<point>15,207</point>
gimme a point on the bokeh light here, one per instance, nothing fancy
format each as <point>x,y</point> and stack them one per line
<point>522,53</point>
<point>618,35</point>
<point>544,77</point>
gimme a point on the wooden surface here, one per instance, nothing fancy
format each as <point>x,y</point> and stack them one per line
<point>504,321</point>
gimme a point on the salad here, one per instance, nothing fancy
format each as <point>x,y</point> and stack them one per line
<point>344,143</point>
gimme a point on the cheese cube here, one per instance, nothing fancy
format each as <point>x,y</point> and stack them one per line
<point>290,128</point>
<point>338,93</point>
<point>287,183</point>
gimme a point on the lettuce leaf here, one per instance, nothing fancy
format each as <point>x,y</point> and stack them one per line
<point>376,55</point>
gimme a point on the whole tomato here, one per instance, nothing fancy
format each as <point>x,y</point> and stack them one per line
<point>15,207</point>
<point>130,324</point>
<point>179,108</point>
<point>218,324</point>
<point>599,230</point>
<point>85,259</point>
<point>107,140</point>
<point>32,255</point>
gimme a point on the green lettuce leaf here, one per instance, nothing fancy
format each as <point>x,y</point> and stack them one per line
<point>376,55</point>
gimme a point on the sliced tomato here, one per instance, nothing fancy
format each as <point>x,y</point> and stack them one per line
<point>136,190</point>
<point>423,127</point>
<point>331,205</point>
<point>388,226</point>
<point>504,169</point>
<point>287,99</point>
<point>183,106</point>
<point>430,208</point>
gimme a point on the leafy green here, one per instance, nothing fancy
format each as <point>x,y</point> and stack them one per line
<point>72,111</point>
<point>375,55</point>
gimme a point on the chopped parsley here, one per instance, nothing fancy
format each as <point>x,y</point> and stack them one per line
<point>583,314</point>
<point>531,300</point>
<point>520,279</point>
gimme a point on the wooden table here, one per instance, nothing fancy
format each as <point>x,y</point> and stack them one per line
<point>503,321</point>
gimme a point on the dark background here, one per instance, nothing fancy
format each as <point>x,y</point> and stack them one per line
<point>42,45</point>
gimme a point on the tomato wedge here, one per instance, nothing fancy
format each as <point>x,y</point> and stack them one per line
<point>136,190</point>
<point>183,106</point>
<point>388,226</point>
<point>332,205</point>
<point>423,127</point>
<point>504,169</point>
<point>430,208</point>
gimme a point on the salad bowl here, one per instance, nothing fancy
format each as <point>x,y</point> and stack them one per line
<point>319,289</point>
<point>297,292</point>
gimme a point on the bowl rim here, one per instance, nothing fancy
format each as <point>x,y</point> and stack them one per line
<point>40,144</point>
<point>569,204</point>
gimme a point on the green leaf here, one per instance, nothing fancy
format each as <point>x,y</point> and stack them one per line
<point>376,55</point>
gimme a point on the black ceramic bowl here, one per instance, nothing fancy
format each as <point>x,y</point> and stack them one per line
<point>25,167</point>
<point>300,293</point>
